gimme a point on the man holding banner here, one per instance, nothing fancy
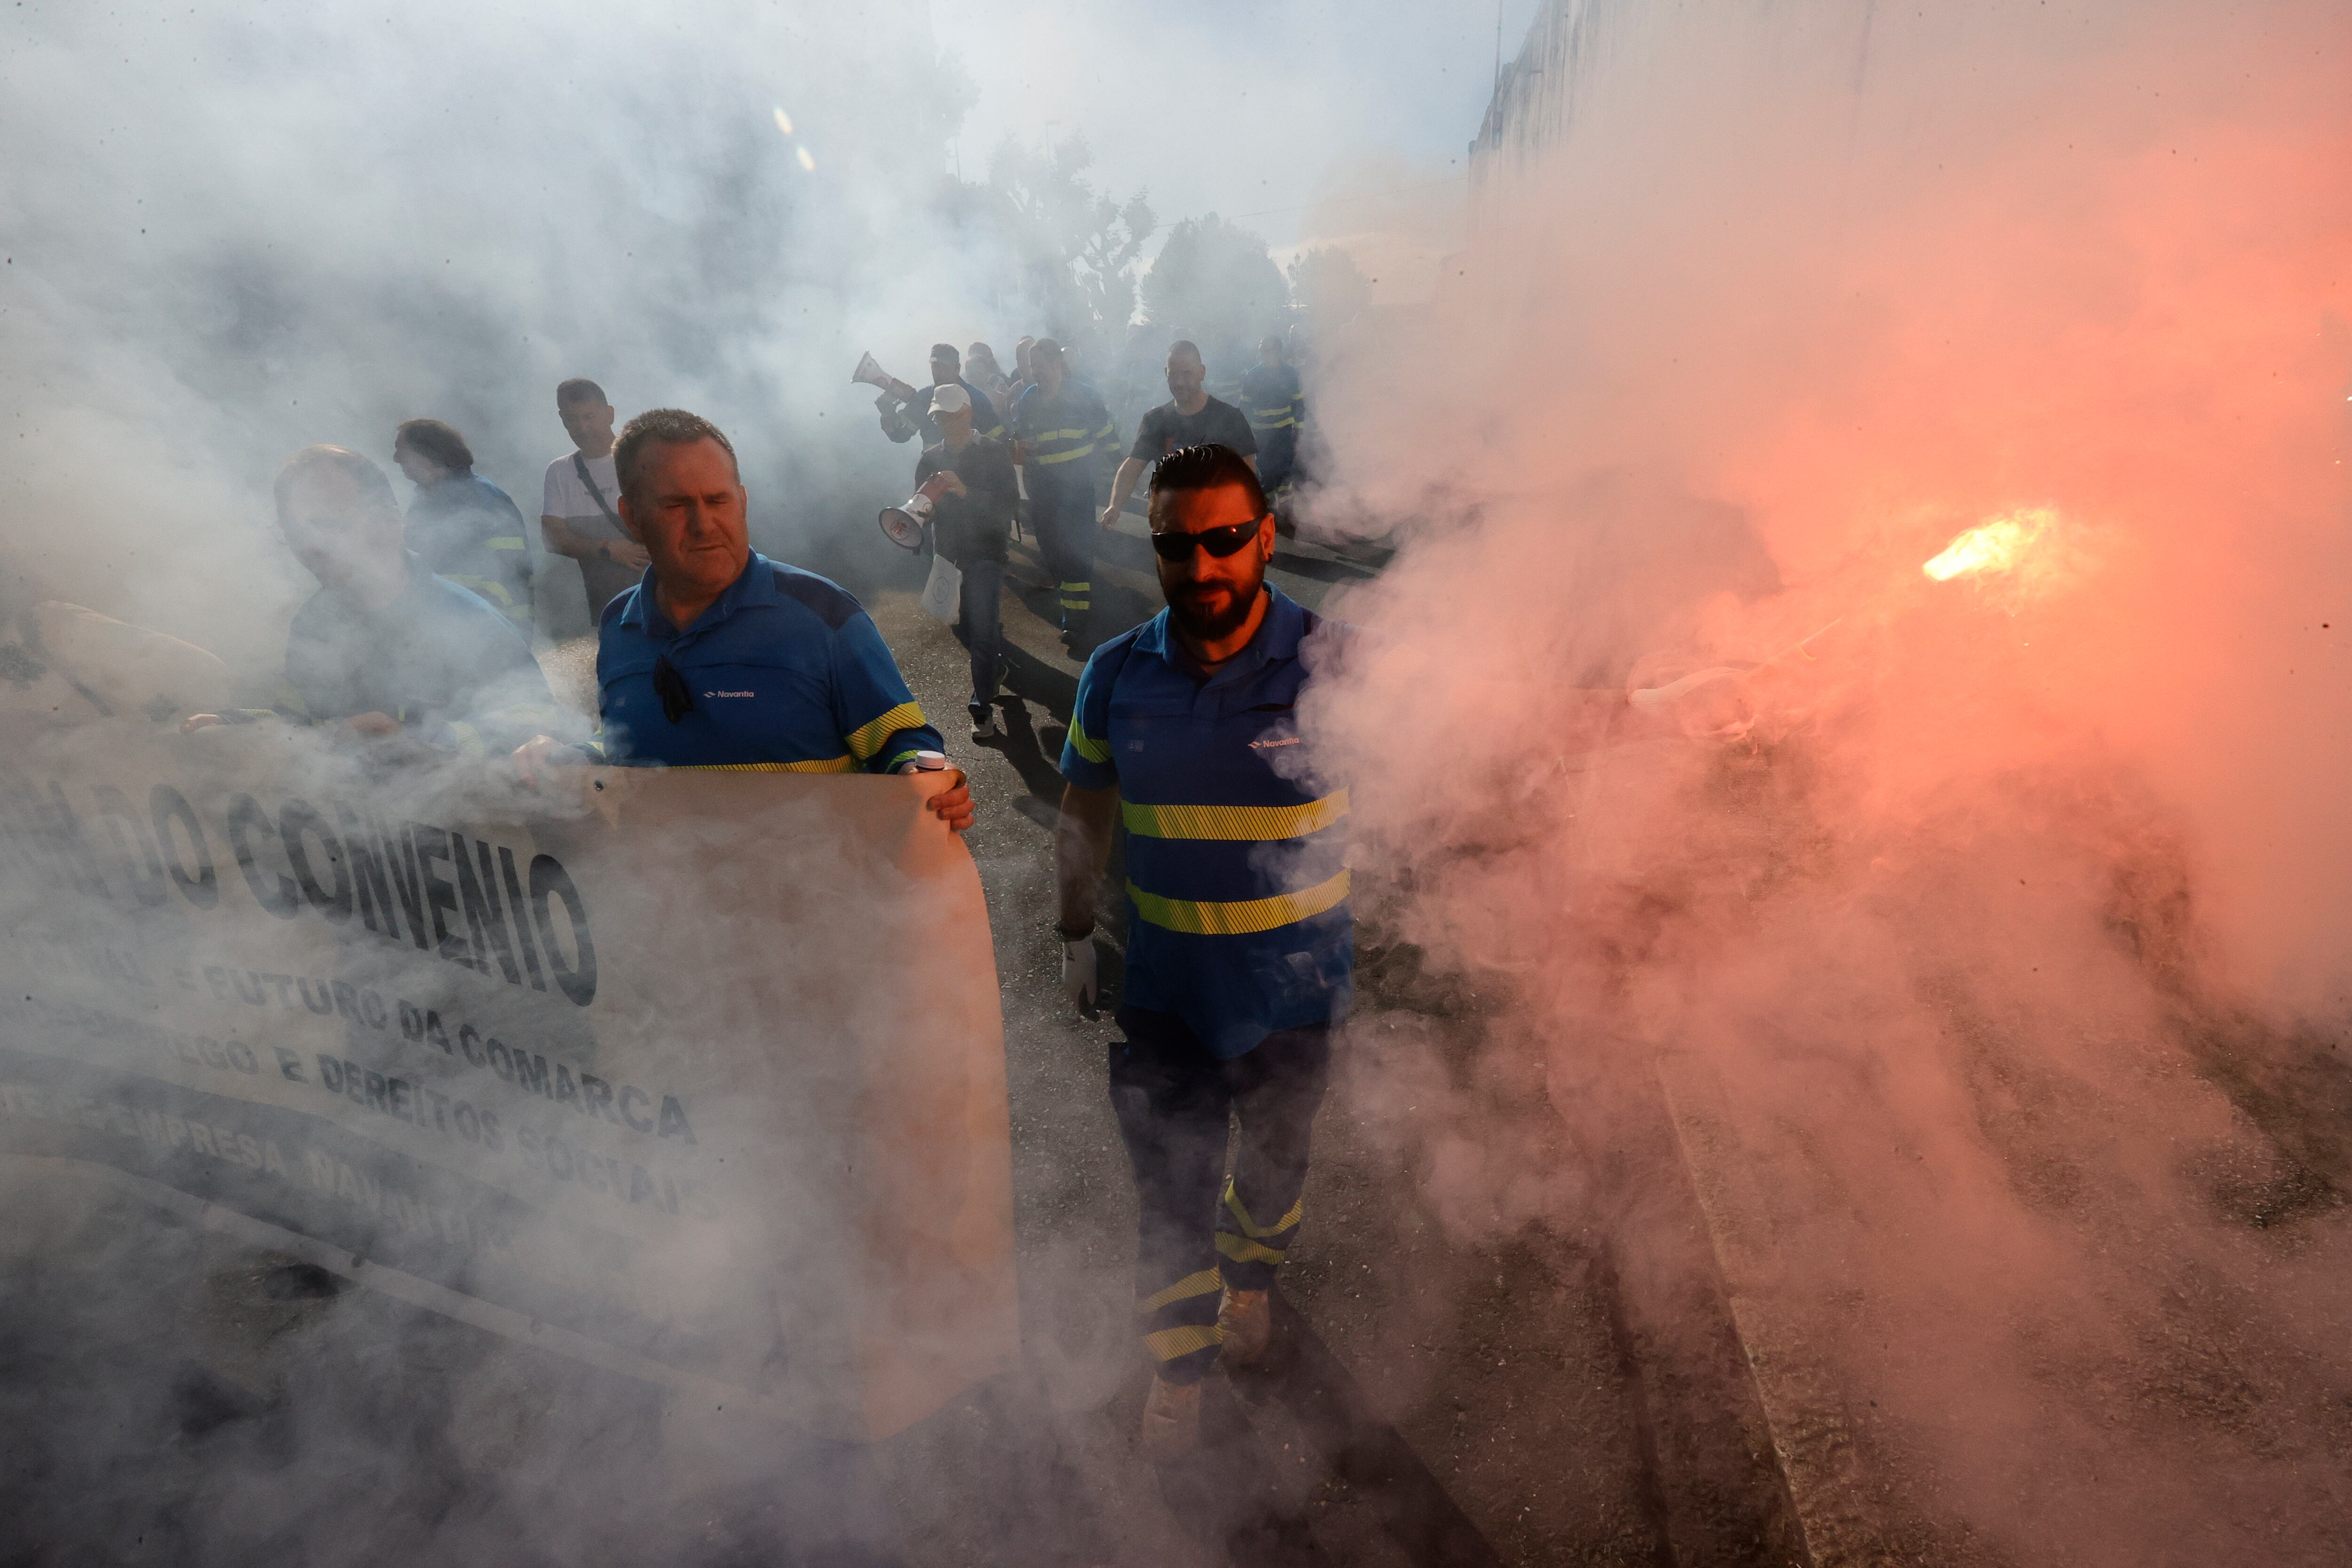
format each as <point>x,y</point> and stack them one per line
<point>723,658</point>
<point>384,649</point>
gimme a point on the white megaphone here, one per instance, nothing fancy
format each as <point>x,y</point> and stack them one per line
<point>902,524</point>
<point>872,374</point>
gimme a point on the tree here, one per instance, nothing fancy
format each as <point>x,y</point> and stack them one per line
<point>1217,284</point>
<point>1078,248</point>
<point>1330,288</point>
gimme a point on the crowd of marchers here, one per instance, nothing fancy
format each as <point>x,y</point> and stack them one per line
<point>1239,946</point>
<point>1040,450</point>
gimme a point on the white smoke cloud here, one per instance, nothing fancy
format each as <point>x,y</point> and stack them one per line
<point>233,234</point>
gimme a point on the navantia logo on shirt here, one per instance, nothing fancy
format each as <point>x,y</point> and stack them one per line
<point>730,694</point>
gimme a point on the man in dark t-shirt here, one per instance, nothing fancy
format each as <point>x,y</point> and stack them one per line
<point>970,525</point>
<point>1190,417</point>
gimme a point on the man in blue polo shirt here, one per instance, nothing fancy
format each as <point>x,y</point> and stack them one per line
<point>1240,946</point>
<point>721,658</point>
<point>385,651</point>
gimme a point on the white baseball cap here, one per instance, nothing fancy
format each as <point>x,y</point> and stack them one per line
<point>949,398</point>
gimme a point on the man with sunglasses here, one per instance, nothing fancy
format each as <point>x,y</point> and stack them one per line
<point>1240,947</point>
<point>721,657</point>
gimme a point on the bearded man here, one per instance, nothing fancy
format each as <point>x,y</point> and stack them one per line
<point>1240,947</point>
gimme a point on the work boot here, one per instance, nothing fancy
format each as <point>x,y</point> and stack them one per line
<point>1246,1320</point>
<point>1171,1420</point>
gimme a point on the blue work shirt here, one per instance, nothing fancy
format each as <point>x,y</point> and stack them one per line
<point>441,660</point>
<point>1237,888</point>
<point>1067,433</point>
<point>1272,398</point>
<point>468,531</point>
<point>786,671</point>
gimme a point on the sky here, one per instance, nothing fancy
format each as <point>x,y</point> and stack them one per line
<point>1315,98</point>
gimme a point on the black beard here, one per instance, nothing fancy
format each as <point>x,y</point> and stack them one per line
<point>1208,628</point>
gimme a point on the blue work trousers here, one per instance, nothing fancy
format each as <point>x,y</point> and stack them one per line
<point>981,609</point>
<point>1063,513</point>
<point>1198,1232</point>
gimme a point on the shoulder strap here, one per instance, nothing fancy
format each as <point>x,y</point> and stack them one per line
<point>580,467</point>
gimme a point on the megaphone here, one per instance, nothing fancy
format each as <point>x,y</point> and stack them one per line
<point>872,374</point>
<point>902,524</point>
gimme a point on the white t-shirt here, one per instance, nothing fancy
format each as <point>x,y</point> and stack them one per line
<point>567,497</point>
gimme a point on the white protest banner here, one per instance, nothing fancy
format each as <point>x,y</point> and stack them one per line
<point>699,1078</point>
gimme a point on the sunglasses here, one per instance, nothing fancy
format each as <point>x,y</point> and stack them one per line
<point>1218,542</point>
<point>677,696</point>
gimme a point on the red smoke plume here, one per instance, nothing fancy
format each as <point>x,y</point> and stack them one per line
<point>2002,963</point>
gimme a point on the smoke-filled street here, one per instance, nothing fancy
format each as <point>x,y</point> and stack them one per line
<point>878,786</point>
<point>1438,1401</point>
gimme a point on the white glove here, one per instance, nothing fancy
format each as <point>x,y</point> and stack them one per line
<point>1078,973</point>
<point>1657,698</point>
<point>1711,704</point>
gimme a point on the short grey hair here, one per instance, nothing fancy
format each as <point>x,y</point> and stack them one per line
<point>356,466</point>
<point>663,426</point>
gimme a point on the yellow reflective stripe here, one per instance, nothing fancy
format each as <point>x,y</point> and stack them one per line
<point>1191,1285</point>
<point>507,541</point>
<point>868,738</point>
<point>469,740</point>
<point>1085,745</point>
<point>1239,917</point>
<point>485,586</point>
<point>1273,424</point>
<point>1084,452</point>
<point>1169,1343</point>
<point>1234,1202</point>
<point>903,758</point>
<point>1247,822</point>
<point>1243,1250</point>
<point>1104,433</point>
<point>829,765</point>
